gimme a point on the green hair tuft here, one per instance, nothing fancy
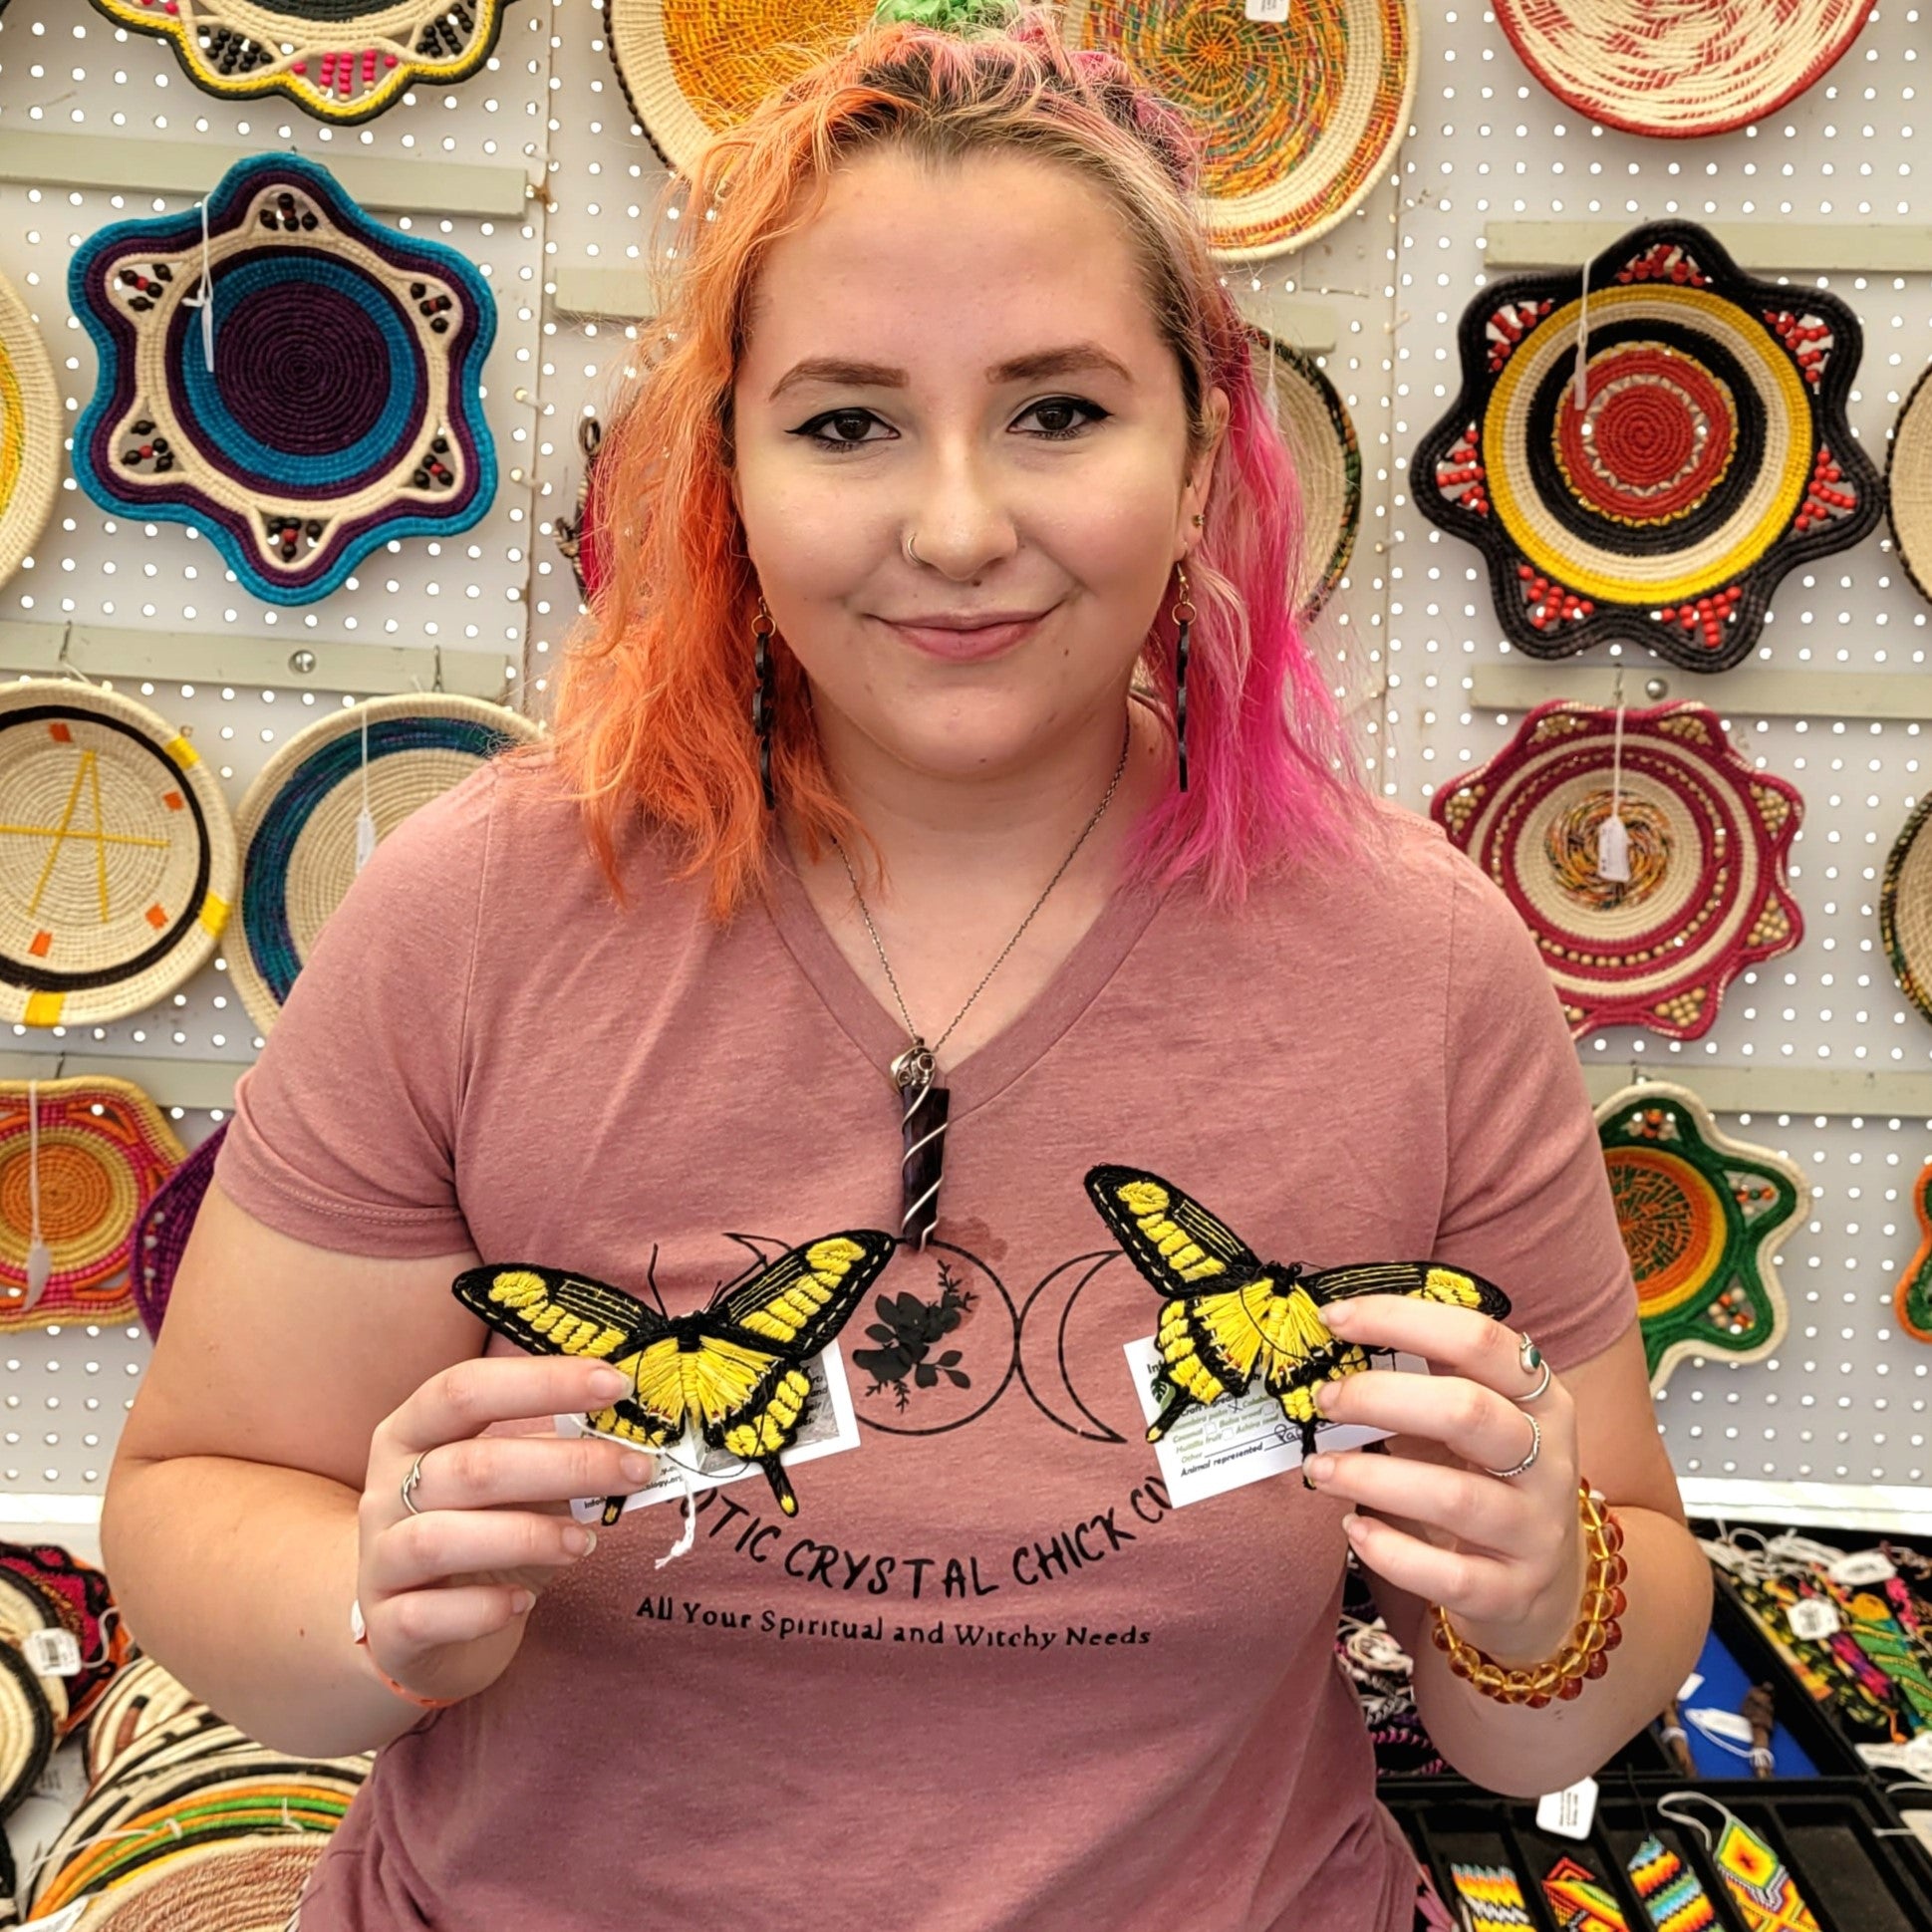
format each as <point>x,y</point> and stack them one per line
<point>945,16</point>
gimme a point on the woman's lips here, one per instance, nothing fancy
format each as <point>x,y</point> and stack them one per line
<point>966,647</point>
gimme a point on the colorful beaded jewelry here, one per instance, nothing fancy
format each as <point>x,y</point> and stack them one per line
<point>1585,1653</point>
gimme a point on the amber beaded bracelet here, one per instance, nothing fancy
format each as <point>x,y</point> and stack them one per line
<point>1586,1651</point>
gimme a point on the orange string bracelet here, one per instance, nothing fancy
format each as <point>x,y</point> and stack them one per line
<point>1585,1652</point>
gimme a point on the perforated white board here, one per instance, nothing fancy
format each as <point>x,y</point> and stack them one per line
<point>1844,1402</point>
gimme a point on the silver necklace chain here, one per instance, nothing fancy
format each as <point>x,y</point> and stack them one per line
<point>916,1066</point>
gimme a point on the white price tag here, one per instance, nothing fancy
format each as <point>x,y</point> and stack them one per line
<point>1714,1723</point>
<point>1690,1687</point>
<point>1811,1619</point>
<point>1862,1566</point>
<point>1569,1813</point>
<point>1271,10</point>
<point>53,1653</point>
<point>1240,1440</point>
<point>830,1424</point>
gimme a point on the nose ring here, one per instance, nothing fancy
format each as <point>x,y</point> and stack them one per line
<point>911,552</point>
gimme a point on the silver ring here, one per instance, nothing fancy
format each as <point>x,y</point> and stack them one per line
<point>912,553</point>
<point>1532,1358</point>
<point>409,1481</point>
<point>1535,1449</point>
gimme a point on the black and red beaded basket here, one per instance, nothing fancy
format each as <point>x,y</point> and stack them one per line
<point>1706,454</point>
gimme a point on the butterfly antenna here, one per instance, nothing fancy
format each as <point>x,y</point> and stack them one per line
<point>651,1279</point>
<point>757,1263</point>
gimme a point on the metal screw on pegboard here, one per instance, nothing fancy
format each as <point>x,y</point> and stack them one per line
<point>301,663</point>
<point>1656,689</point>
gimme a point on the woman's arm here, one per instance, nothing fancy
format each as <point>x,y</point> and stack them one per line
<point>1518,1566</point>
<point>231,1521</point>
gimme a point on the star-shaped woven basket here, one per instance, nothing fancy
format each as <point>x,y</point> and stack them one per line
<point>1709,840</point>
<point>1702,1216</point>
<point>343,407</point>
<point>1705,453</point>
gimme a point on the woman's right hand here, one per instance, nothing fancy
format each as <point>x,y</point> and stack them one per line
<point>446,1592</point>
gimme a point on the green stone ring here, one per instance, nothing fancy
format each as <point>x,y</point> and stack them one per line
<point>1532,1358</point>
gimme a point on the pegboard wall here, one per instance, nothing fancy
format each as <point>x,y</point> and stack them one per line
<point>1837,1419</point>
<point>1844,1400</point>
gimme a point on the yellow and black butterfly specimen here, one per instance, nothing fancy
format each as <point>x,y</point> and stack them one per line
<point>1229,1315</point>
<point>733,1368</point>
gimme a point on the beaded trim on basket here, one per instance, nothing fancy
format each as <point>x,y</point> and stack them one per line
<point>342,61</point>
<point>1709,844</point>
<point>1702,1216</point>
<point>1706,454</point>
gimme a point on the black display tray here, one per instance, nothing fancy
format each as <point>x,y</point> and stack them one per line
<point>1836,1834</point>
<point>1833,1748</point>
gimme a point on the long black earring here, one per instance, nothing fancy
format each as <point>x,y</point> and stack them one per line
<point>1183,615</point>
<point>762,707</point>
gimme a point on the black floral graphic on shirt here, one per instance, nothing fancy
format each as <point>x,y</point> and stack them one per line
<point>908,1332</point>
<point>941,1343</point>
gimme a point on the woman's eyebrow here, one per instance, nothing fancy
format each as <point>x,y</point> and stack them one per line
<point>839,372</point>
<point>1077,359</point>
<point>1073,358</point>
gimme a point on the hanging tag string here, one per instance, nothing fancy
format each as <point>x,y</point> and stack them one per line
<point>366,818</point>
<point>40,1259</point>
<point>1700,1825</point>
<point>204,296</point>
<point>688,1503</point>
<point>1613,836</point>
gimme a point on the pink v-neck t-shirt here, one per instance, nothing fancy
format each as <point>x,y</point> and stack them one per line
<point>992,1677</point>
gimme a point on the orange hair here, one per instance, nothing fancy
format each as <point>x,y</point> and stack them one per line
<point>652,708</point>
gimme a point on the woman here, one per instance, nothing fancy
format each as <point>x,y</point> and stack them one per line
<point>950,430</point>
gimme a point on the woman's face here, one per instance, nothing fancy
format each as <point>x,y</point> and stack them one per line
<point>965,358</point>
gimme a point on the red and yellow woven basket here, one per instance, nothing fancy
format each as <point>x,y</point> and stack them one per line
<point>104,1149</point>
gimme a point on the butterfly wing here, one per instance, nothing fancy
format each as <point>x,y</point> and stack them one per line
<point>1178,1245</point>
<point>1421,1281</point>
<point>1208,1337</point>
<point>551,1312</point>
<point>1304,1353</point>
<point>801,1301</point>
<point>747,1380</point>
<point>1209,1345</point>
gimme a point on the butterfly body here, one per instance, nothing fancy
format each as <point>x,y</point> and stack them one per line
<point>733,1372</point>
<point>1230,1315</point>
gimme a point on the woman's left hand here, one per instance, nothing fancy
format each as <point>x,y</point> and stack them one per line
<point>1503,1555</point>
